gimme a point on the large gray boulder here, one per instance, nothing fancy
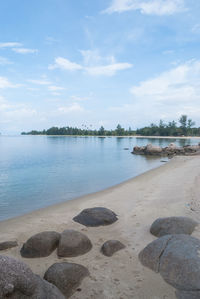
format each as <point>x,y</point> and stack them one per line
<point>17,281</point>
<point>66,276</point>
<point>150,255</point>
<point>173,225</point>
<point>40,245</point>
<point>153,149</point>
<point>111,246</point>
<point>177,259</point>
<point>187,295</point>
<point>73,243</point>
<point>96,217</point>
<point>8,244</point>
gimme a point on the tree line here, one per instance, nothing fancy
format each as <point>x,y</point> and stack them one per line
<point>185,128</point>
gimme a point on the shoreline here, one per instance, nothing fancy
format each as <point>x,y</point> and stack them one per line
<point>110,136</point>
<point>171,189</point>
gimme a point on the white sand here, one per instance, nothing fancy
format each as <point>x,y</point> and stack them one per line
<point>170,190</point>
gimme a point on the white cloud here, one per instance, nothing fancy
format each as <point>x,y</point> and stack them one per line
<point>65,64</point>
<point>196,29</point>
<point>14,112</point>
<point>108,70</point>
<point>4,61</point>
<point>165,96</point>
<point>55,88</point>
<point>93,64</point>
<point>179,84</point>
<point>5,83</point>
<point>149,7</point>
<point>79,99</point>
<point>72,108</point>
<point>10,45</point>
<point>40,81</point>
<point>24,50</point>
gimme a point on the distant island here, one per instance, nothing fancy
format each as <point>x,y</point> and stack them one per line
<point>185,128</point>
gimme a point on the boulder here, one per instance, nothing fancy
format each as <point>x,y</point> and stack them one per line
<point>153,150</point>
<point>177,259</point>
<point>191,148</point>
<point>111,246</point>
<point>8,244</point>
<point>187,295</point>
<point>15,275</point>
<point>66,276</point>
<point>173,225</point>
<point>17,281</point>
<point>40,245</point>
<point>46,290</point>
<point>73,243</point>
<point>150,255</point>
<point>96,217</point>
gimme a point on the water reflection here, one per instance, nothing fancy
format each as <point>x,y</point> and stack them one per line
<point>37,171</point>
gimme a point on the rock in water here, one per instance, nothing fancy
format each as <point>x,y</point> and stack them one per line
<point>96,217</point>
<point>66,276</point>
<point>177,259</point>
<point>173,225</point>
<point>40,245</point>
<point>17,281</point>
<point>73,243</point>
<point>111,246</point>
<point>8,244</point>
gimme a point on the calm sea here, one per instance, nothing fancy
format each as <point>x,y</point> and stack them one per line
<point>38,171</point>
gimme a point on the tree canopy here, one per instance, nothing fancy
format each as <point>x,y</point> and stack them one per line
<point>185,128</point>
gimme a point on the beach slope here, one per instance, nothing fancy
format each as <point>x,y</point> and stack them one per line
<point>170,190</point>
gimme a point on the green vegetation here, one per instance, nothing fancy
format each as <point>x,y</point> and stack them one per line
<point>186,128</point>
<point>119,131</point>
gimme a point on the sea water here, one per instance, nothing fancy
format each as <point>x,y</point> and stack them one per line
<point>38,171</point>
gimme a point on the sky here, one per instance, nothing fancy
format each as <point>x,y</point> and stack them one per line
<point>98,63</point>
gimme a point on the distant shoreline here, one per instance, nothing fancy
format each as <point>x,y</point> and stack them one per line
<point>98,136</point>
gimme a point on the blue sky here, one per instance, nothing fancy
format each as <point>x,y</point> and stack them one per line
<point>102,62</point>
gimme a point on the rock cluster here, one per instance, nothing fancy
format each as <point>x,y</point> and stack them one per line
<point>175,255</point>
<point>170,150</point>
<point>61,280</point>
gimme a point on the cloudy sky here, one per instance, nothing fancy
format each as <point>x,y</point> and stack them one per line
<point>101,62</point>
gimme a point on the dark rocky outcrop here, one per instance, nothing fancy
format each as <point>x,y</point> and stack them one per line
<point>177,259</point>
<point>96,217</point>
<point>40,245</point>
<point>173,225</point>
<point>73,243</point>
<point>8,244</point>
<point>111,246</point>
<point>170,150</point>
<point>66,276</point>
<point>17,281</point>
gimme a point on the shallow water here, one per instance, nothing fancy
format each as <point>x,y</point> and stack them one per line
<point>37,171</point>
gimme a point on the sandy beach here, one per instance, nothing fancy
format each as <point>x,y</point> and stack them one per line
<point>170,190</point>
